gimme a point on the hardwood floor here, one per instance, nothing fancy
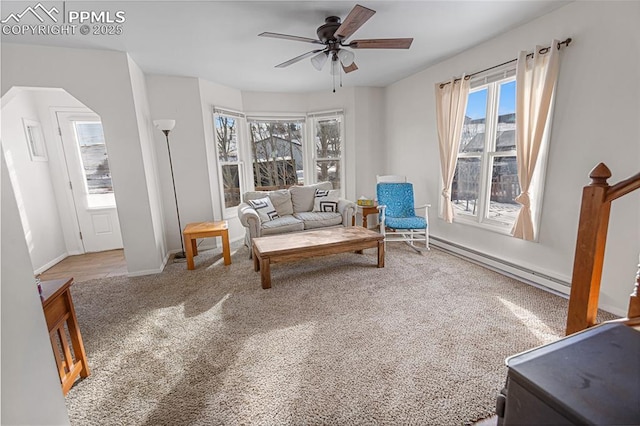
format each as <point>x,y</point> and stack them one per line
<point>88,266</point>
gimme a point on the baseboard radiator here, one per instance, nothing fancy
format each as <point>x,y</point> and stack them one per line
<point>545,282</point>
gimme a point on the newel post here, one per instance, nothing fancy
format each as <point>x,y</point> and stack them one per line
<point>589,255</point>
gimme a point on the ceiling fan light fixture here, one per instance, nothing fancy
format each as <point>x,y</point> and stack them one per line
<point>319,60</point>
<point>346,57</point>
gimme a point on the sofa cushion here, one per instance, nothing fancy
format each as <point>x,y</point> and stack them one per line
<point>254,195</point>
<point>326,200</point>
<point>265,209</point>
<point>281,200</point>
<point>314,220</point>
<point>281,225</point>
<point>302,196</point>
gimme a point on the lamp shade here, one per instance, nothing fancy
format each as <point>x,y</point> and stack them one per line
<point>346,57</point>
<point>319,60</point>
<point>165,124</point>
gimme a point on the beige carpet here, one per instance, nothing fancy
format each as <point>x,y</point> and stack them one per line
<point>335,341</point>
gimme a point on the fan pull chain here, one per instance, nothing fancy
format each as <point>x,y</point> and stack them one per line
<point>340,70</point>
<point>334,80</point>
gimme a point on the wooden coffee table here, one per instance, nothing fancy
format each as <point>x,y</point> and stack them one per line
<point>303,245</point>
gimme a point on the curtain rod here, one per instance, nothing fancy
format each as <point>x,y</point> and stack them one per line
<point>530,55</point>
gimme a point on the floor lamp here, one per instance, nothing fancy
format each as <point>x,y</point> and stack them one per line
<point>166,126</point>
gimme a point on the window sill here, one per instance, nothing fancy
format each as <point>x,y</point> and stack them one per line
<point>488,226</point>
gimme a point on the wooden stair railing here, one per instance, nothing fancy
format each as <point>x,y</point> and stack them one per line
<point>590,245</point>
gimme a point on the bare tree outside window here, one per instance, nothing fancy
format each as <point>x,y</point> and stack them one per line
<point>227,146</point>
<point>328,143</point>
<point>276,153</point>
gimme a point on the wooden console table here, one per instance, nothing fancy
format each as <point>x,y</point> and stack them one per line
<point>58,311</point>
<point>196,230</point>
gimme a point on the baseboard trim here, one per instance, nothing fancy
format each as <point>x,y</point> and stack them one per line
<point>167,256</point>
<point>153,271</point>
<point>145,272</point>
<point>51,263</point>
<point>540,280</point>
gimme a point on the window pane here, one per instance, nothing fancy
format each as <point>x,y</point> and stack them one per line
<point>466,184</point>
<point>506,130</point>
<point>276,149</point>
<point>504,189</point>
<point>231,182</point>
<point>93,153</point>
<point>328,138</point>
<point>472,137</point>
<point>329,171</point>
<point>226,138</point>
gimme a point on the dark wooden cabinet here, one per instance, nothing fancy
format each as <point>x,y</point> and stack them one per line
<point>589,378</point>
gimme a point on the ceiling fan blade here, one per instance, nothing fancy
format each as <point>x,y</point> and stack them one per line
<point>290,37</point>
<point>350,68</point>
<point>356,18</point>
<point>298,58</point>
<point>382,43</point>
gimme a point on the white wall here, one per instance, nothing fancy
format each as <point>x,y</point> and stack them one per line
<point>596,119</point>
<point>101,80</point>
<point>370,146</point>
<point>32,183</point>
<point>149,157</point>
<point>31,392</point>
<point>179,98</point>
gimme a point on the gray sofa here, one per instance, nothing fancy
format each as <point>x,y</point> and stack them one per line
<point>294,207</point>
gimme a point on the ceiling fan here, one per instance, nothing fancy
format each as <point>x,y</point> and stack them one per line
<point>333,35</point>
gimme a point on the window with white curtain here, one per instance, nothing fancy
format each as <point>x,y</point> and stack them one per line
<point>485,183</point>
<point>230,165</point>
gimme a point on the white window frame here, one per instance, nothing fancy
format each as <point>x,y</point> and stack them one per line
<point>230,212</point>
<point>313,119</point>
<point>487,156</point>
<point>492,83</point>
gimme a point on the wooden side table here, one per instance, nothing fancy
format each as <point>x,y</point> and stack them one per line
<point>365,211</point>
<point>196,230</point>
<point>58,311</point>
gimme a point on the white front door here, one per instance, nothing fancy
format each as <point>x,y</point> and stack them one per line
<point>90,180</point>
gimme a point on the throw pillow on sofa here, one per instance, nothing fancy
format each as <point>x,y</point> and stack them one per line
<point>302,197</point>
<point>281,200</point>
<point>264,208</point>
<point>326,201</point>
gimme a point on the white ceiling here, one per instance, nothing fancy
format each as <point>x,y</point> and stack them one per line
<point>217,40</point>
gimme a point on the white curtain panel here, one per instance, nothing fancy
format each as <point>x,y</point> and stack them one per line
<point>535,82</point>
<point>451,105</point>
